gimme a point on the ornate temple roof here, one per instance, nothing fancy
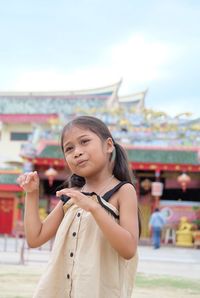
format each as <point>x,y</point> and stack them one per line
<point>136,100</point>
<point>68,102</point>
<point>101,91</point>
<point>127,117</point>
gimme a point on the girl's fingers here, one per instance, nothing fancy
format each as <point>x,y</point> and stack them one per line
<point>69,193</point>
<point>64,192</point>
<point>61,192</point>
<point>26,178</point>
<point>35,175</point>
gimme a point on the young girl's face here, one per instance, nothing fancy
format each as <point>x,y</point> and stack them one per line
<point>86,154</point>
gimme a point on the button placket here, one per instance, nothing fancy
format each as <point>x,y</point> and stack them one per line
<point>73,233</point>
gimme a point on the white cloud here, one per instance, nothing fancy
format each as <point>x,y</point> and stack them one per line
<point>55,80</point>
<point>138,61</point>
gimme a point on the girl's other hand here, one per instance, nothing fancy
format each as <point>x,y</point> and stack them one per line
<point>29,182</point>
<point>78,198</point>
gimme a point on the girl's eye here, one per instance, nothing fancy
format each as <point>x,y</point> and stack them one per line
<point>68,149</point>
<point>85,141</point>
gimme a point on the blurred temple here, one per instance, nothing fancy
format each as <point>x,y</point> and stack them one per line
<point>163,151</point>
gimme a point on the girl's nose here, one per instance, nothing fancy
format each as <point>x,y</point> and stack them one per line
<point>78,152</point>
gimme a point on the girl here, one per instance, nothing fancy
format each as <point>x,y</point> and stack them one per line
<point>95,222</point>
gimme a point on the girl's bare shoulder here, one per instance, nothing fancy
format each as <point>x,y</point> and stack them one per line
<point>127,191</point>
<point>127,187</point>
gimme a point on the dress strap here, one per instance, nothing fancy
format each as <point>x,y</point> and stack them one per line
<point>64,199</point>
<point>109,193</point>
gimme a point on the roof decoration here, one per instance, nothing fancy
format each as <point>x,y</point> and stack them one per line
<point>50,102</point>
<point>135,101</point>
<point>130,121</point>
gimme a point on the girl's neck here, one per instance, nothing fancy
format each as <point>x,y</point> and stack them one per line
<point>100,186</point>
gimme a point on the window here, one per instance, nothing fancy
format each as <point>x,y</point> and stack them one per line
<point>19,136</point>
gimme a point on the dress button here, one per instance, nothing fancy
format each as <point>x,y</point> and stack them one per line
<point>71,254</point>
<point>78,214</point>
<point>68,276</point>
<point>74,234</point>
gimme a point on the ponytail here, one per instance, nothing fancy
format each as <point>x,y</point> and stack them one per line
<point>122,172</point>
<point>121,168</point>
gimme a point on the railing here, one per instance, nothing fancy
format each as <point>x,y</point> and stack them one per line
<point>16,249</point>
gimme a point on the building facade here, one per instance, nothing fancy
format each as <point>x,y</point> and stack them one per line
<point>159,148</point>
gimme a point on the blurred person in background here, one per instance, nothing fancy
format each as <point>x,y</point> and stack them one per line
<point>156,224</point>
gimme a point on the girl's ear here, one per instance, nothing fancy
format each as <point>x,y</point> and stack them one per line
<point>110,145</point>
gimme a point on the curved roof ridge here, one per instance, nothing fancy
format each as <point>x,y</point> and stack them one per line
<point>115,85</point>
<point>132,94</point>
<point>141,94</point>
<point>97,90</point>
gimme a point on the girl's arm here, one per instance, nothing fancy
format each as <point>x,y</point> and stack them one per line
<point>123,236</point>
<point>36,231</point>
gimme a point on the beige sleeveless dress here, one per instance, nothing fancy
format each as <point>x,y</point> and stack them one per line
<point>83,264</point>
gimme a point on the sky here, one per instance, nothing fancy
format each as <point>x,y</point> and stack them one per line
<point>71,45</point>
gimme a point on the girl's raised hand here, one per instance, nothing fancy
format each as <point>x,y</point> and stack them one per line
<point>78,198</point>
<point>29,182</point>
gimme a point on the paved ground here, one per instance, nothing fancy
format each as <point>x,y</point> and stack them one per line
<point>173,261</point>
<point>168,260</point>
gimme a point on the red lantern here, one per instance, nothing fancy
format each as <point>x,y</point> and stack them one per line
<point>184,180</point>
<point>51,173</point>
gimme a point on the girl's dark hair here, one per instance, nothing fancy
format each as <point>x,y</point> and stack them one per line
<point>121,168</point>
